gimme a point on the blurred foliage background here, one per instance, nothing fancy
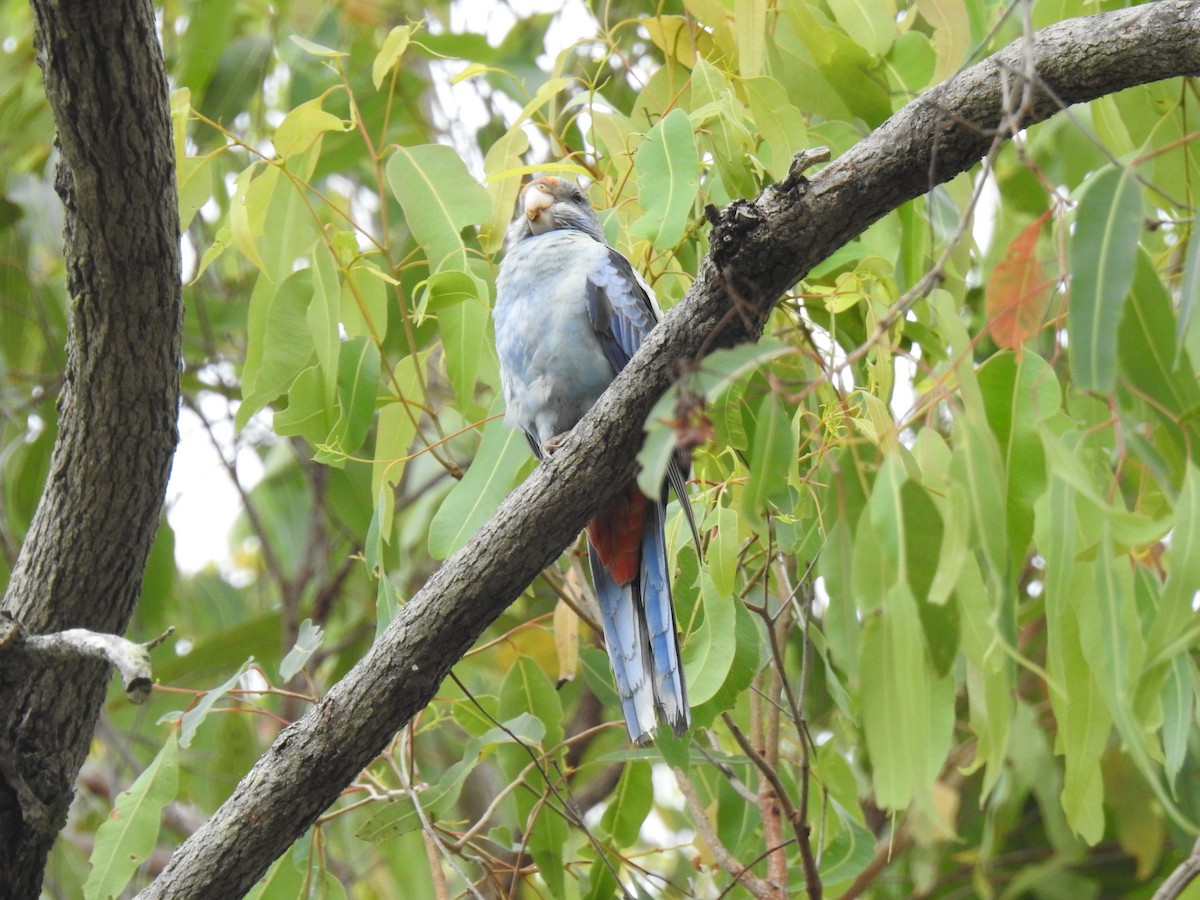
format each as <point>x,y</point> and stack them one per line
<point>941,627</point>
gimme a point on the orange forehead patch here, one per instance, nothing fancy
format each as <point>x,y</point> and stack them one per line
<point>550,181</point>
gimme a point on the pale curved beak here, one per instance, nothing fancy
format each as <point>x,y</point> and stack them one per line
<point>537,201</point>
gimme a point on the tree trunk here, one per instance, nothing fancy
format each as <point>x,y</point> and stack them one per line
<point>82,560</point>
<point>759,249</point>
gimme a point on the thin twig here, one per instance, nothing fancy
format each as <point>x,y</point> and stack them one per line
<point>759,887</point>
<point>430,833</point>
<point>1183,875</point>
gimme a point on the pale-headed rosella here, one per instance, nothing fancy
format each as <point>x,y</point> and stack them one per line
<point>570,313</point>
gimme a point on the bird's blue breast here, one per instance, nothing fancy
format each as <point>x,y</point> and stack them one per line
<point>552,365</point>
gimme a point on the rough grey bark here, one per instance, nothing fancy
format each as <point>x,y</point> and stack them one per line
<point>82,560</point>
<point>759,249</point>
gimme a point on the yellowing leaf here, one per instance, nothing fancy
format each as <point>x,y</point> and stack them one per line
<point>1018,291</point>
<point>951,34</point>
<point>389,54</point>
<point>503,183</point>
<point>304,126</point>
<point>566,637</point>
<point>248,209</point>
<point>195,187</point>
<point>315,49</point>
<point>680,39</point>
<point>750,21</point>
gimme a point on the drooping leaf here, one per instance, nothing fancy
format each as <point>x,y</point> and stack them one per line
<point>307,414</point>
<point>1179,709</point>
<point>469,349</point>
<point>1155,369</point>
<point>528,689</point>
<point>283,879</point>
<point>1108,223</point>
<point>750,28</point>
<point>492,474</point>
<point>1084,722</point>
<point>668,165</point>
<point>772,455</point>
<point>252,192</point>
<point>304,125</point>
<point>1018,290</point>
<point>389,54</point>
<point>747,658</point>
<point>904,706</point>
<point>1175,628</point>
<point>307,642</point>
<point>195,186</point>
<point>357,386</point>
<point>363,310</point>
<point>194,717</point>
<point>501,163</point>
<point>951,34</point>
<point>780,122</point>
<point>280,341</point>
<point>129,834</point>
<point>630,804</point>
<point>678,40</point>
<point>566,640</point>
<point>1108,627</point>
<point>439,198</point>
<point>710,652</point>
<point>723,548</point>
<point>872,23</point>
<point>850,851</point>
<point>322,318</point>
<point>1187,326</point>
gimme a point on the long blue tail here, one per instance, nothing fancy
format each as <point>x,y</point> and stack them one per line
<point>639,630</point>
<point>670,690</point>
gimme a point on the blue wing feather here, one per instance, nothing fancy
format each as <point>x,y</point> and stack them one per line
<point>620,308</point>
<point>623,313</point>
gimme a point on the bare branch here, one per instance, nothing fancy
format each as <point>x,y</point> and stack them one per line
<point>132,660</point>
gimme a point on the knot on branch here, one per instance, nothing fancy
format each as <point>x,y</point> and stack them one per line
<point>733,227</point>
<point>742,221</point>
<point>19,651</point>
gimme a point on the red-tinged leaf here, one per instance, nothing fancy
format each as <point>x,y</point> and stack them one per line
<point>1018,290</point>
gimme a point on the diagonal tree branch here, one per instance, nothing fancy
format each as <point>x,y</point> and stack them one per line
<point>759,249</point>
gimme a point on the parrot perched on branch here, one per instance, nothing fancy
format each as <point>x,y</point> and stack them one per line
<point>570,312</point>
